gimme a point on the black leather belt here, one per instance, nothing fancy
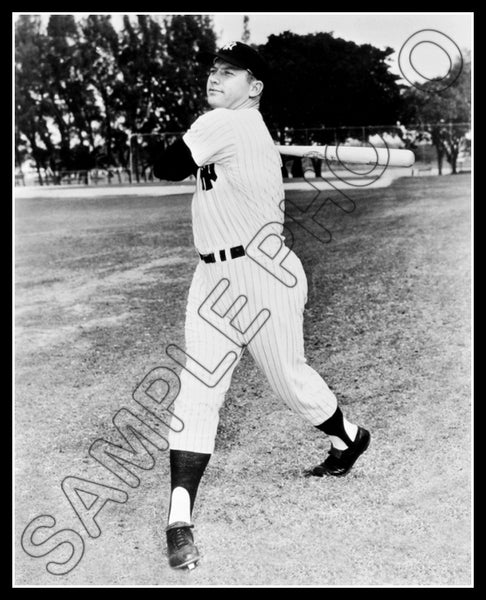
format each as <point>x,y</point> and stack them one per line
<point>235,252</point>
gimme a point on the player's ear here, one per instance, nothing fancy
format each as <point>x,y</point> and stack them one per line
<point>256,88</point>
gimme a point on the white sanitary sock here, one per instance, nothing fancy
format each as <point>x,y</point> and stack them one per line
<point>351,429</point>
<point>180,506</point>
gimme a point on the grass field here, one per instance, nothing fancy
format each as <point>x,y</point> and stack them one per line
<point>101,287</point>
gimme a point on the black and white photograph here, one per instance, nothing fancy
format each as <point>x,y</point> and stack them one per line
<point>242,300</point>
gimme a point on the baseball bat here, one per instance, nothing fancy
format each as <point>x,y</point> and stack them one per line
<point>365,155</point>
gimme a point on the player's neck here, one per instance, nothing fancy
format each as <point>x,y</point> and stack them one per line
<point>248,103</point>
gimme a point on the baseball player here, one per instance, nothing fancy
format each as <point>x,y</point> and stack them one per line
<point>239,190</point>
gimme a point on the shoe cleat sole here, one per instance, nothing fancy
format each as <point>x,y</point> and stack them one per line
<point>188,565</point>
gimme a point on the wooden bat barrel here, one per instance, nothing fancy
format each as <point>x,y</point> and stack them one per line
<point>364,155</point>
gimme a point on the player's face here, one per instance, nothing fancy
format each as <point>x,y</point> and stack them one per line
<point>228,86</point>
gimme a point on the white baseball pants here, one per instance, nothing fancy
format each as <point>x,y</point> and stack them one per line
<point>219,325</point>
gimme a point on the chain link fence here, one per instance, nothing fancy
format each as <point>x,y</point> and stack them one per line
<point>424,139</point>
<point>115,176</point>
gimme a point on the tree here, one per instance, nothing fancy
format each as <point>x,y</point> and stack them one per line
<point>175,81</point>
<point>54,108</point>
<point>318,80</point>
<point>443,108</point>
<point>245,36</point>
<point>101,51</point>
<point>32,135</point>
<point>183,97</point>
<point>83,90</point>
<point>65,98</point>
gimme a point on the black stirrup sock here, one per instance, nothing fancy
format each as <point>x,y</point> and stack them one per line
<point>335,426</point>
<point>186,470</point>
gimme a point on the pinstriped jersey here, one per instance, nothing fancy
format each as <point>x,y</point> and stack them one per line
<point>239,184</point>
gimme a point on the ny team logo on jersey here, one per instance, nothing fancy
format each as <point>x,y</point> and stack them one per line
<point>208,175</point>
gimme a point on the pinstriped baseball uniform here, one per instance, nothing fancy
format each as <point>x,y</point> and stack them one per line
<point>238,191</point>
<point>246,194</point>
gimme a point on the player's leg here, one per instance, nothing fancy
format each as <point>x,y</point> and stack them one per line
<point>201,395</point>
<point>278,349</point>
<point>186,470</point>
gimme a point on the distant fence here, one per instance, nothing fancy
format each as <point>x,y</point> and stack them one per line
<point>79,177</point>
<point>139,170</point>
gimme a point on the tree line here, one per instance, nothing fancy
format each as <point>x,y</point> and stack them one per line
<point>84,88</point>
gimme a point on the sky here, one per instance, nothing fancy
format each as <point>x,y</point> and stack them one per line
<point>379,29</point>
<point>428,53</point>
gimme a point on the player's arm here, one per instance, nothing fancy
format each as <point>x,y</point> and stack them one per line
<point>174,163</point>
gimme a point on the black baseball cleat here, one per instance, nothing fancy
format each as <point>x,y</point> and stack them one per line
<point>182,552</point>
<point>339,462</point>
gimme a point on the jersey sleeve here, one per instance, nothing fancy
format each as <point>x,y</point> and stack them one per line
<point>174,163</point>
<point>211,138</point>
